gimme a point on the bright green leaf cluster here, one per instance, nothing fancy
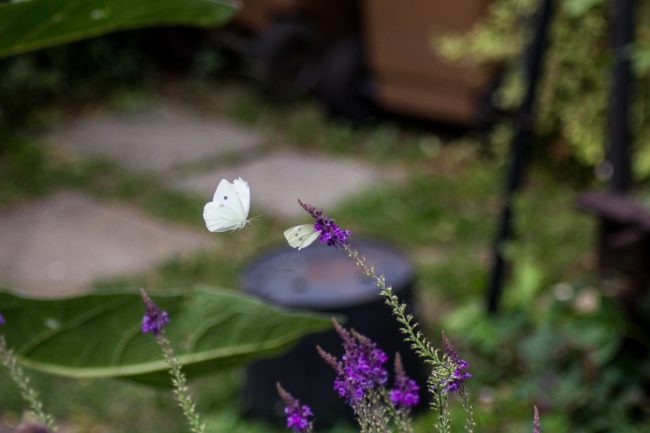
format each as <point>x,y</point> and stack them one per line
<point>574,94</point>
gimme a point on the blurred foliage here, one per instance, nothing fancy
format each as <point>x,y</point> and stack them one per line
<point>559,349</point>
<point>27,25</point>
<point>573,100</point>
<point>82,72</point>
<point>88,68</point>
<point>561,340</point>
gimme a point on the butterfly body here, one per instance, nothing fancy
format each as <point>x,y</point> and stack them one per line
<point>229,207</point>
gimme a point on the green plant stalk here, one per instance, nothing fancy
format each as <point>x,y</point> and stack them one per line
<point>470,423</point>
<point>400,417</point>
<point>371,414</point>
<point>21,379</point>
<point>444,418</point>
<point>408,325</point>
<point>181,391</point>
<point>419,343</point>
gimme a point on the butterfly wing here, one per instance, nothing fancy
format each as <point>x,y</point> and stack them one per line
<point>301,236</point>
<point>219,218</point>
<point>227,196</point>
<point>244,193</point>
<point>226,211</point>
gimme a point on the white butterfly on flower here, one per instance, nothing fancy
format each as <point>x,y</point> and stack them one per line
<point>301,236</point>
<point>229,207</point>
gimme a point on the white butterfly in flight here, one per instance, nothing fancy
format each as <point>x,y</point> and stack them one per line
<point>301,236</point>
<point>229,207</point>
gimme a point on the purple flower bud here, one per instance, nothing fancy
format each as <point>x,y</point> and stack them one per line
<point>329,358</point>
<point>298,415</point>
<point>404,394</point>
<point>456,379</point>
<point>330,233</point>
<point>459,375</point>
<point>360,369</point>
<point>154,319</point>
<point>449,348</point>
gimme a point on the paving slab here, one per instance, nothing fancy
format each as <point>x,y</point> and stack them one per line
<point>62,244</point>
<point>159,138</point>
<point>277,180</point>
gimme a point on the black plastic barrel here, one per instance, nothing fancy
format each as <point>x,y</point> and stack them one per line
<point>324,279</point>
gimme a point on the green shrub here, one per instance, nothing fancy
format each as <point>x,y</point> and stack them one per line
<point>573,100</point>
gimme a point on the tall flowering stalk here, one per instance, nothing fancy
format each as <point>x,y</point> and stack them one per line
<point>298,415</point>
<point>23,382</point>
<point>442,367</point>
<point>361,380</point>
<point>448,371</point>
<point>403,396</point>
<point>154,321</point>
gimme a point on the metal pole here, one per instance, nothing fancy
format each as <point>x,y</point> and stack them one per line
<point>619,128</point>
<point>518,151</point>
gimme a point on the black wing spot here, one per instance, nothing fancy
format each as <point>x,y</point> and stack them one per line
<point>225,197</point>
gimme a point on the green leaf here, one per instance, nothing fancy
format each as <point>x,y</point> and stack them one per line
<point>98,335</point>
<point>32,24</point>
<point>527,281</point>
<point>577,8</point>
<point>641,60</point>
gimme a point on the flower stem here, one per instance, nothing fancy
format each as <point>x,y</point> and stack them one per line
<point>469,411</point>
<point>181,391</point>
<point>22,381</point>
<point>408,327</point>
<point>399,416</point>
<point>421,346</point>
<point>444,417</point>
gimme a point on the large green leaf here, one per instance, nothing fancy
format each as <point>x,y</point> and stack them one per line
<point>32,24</point>
<point>98,335</point>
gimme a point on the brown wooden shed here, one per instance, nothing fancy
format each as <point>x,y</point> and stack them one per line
<point>395,52</point>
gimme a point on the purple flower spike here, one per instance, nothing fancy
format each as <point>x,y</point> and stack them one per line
<point>298,415</point>
<point>154,319</point>
<point>536,427</point>
<point>330,233</point>
<point>2,319</point>
<point>360,369</point>
<point>459,374</point>
<point>405,394</point>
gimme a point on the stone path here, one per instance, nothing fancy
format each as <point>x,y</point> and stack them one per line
<point>160,138</point>
<point>277,180</point>
<point>61,244</point>
<point>65,242</point>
